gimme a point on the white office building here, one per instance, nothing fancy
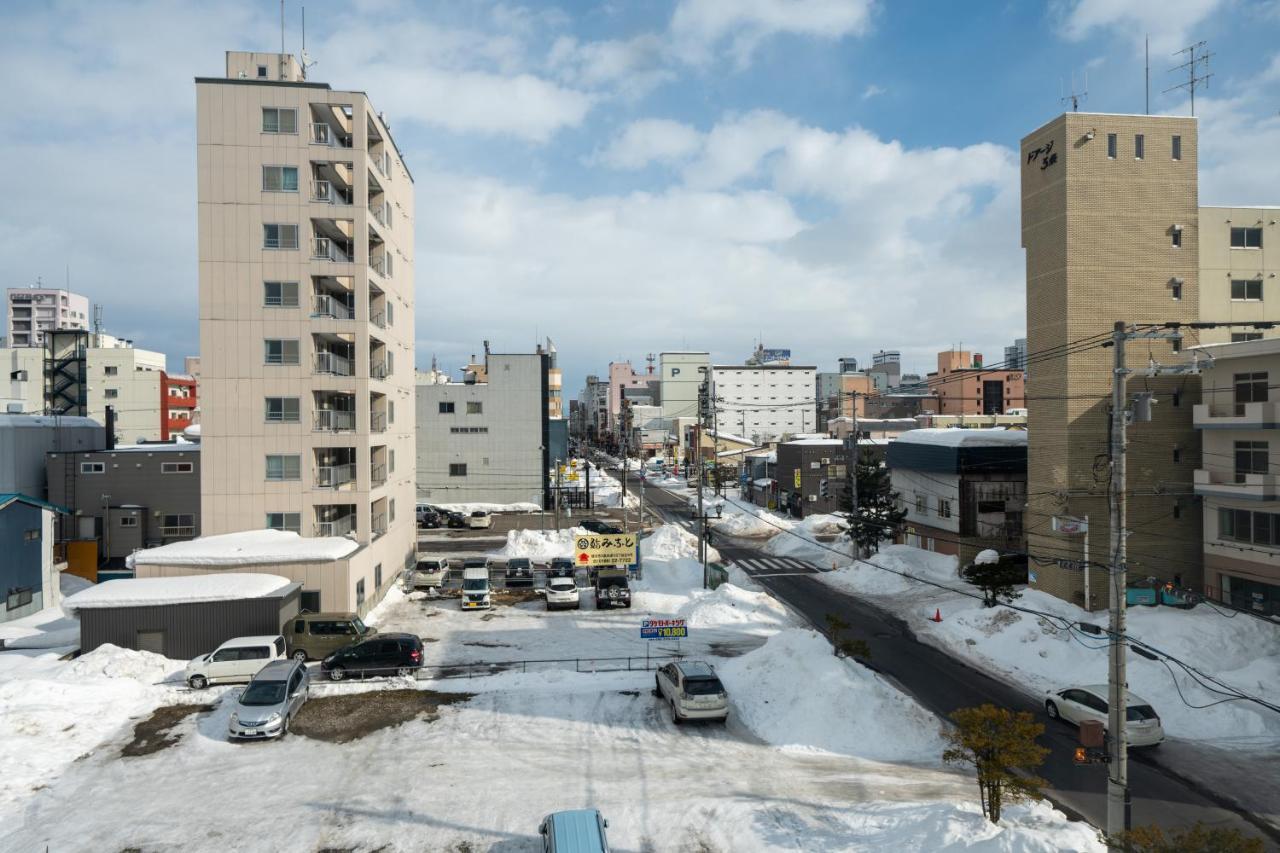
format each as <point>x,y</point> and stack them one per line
<point>765,403</point>
<point>32,311</point>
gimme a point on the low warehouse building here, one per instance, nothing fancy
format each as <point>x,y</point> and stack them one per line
<point>181,617</point>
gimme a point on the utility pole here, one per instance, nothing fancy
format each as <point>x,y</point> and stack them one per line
<point>625,418</point>
<point>855,455</point>
<point>702,516</point>
<point>558,493</point>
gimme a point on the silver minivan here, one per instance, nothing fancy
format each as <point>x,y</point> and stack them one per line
<point>693,690</point>
<point>235,660</point>
<point>428,572</point>
<point>271,701</point>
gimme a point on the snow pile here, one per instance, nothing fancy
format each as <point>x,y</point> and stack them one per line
<point>793,691</point>
<point>246,548</point>
<point>467,509</point>
<point>732,606</point>
<point>954,437</point>
<point>676,577</point>
<point>877,574</point>
<point>149,592</point>
<point>987,558</point>
<point>672,542</point>
<point>748,521</point>
<point>538,544</point>
<point>49,628</point>
<point>816,538</point>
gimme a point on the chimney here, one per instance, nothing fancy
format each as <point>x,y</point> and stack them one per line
<point>111,428</point>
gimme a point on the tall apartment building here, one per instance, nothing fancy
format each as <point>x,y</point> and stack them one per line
<point>1239,259</point>
<point>306,214</point>
<point>555,383</point>
<point>1111,233</point>
<point>32,311</point>
<point>1015,357</point>
<point>764,403</point>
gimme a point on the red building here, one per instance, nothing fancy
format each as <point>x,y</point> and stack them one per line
<point>964,387</point>
<point>177,403</point>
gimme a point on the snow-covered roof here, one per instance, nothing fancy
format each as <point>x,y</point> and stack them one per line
<point>763,481</point>
<point>151,592</point>
<point>167,447</point>
<point>817,442</point>
<point>247,548</point>
<point>957,437</point>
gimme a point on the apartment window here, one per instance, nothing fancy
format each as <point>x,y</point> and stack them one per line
<point>282,410</point>
<point>110,393</point>
<point>1246,290</point>
<point>309,601</point>
<point>1113,145</point>
<point>1177,147</point>
<point>944,508</point>
<point>446,408</point>
<point>177,467</point>
<point>285,521</point>
<point>391,411</point>
<point>922,504</point>
<point>1249,388</point>
<point>279,236</point>
<point>280,351</point>
<point>177,524</point>
<point>1240,337</point>
<point>391,517</point>
<point>279,179</point>
<point>128,521</point>
<point>284,467</point>
<point>457,469</point>
<point>391,460</point>
<point>93,467</point>
<point>111,370</point>
<point>262,71</point>
<point>1246,238</point>
<point>278,120</point>
<point>390,314</point>
<point>475,408</point>
<point>1176,237</point>
<point>468,429</point>
<point>359,593</point>
<point>1251,458</point>
<point>1139,146</point>
<point>377,576</point>
<point>280,294</point>
<point>1175,289</point>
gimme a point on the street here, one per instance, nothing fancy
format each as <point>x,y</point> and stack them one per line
<point>943,684</point>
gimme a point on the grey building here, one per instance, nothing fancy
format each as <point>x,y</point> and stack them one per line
<point>130,497</point>
<point>486,441</point>
<point>25,439</point>
<point>28,572</point>
<point>811,474</point>
<point>1015,357</point>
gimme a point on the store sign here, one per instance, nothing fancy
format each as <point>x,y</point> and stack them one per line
<point>663,629</point>
<point>617,549</point>
<point>797,478</point>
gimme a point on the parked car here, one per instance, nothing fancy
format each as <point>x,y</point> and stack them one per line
<point>693,691</point>
<point>519,572</point>
<point>480,520</point>
<point>1078,704</point>
<point>385,654</point>
<point>428,572</point>
<point>612,589</point>
<point>312,636</point>
<point>560,567</point>
<point>578,831</point>
<point>595,525</point>
<point>428,519</point>
<point>272,699</point>
<point>455,520</point>
<point>476,594</point>
<point>237,660</point>
<point>562,594</point>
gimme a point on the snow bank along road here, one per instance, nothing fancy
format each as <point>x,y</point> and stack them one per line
<point>942,684</point>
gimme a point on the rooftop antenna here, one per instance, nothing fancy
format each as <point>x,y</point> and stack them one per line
<point>283,64</point>
<point>1147,49</point>
<point>1075,97</point>
<point>1191,66</point>
<point>307,61</point>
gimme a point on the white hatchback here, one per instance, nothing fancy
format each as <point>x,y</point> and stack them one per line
<point>562,593</point>
<point>1078,704</point>
<point>237,660</point>
<point>480,520</point>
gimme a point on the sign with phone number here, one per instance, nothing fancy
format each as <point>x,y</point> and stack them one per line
<point>663,629</point>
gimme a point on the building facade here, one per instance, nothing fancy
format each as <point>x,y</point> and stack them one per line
<point>1239,259</point>
<point>306,253</point>
<point>32,311</point>
<point>25,439</point>
<point>1015,357</point>
<point>811,475</point>
<point>964,387</point>
<point>767,402</point>
<point>841,395</point>
<point>179,401</point>
<point>681,374</point>
<point>28,572</point>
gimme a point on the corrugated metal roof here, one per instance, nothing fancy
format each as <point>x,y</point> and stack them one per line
<point>9,497</point>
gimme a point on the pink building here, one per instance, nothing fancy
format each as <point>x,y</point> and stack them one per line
<point>621,375</point>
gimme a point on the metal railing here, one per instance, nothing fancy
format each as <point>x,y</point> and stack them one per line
<point>379,213</point>
<point>322,191</point>
<point>379,320</point>
<point>332,306</point>
<point>334,364</point>
<point>378,421</point>
<point>379,266</point>
<point>337,527</point>
<point>334,420</point>
<point>172,532</point>
<point>323,134</point>
<point>326,249</point>
<point>379,370</point>
<point>379,525</point>
<point>333,476</point>
<point>378,474</point>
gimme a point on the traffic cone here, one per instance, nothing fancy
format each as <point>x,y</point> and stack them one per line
<point>937,615</point>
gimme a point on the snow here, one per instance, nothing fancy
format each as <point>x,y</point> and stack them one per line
<point>816,538</point>
<point>986,557</point>
<point>246,548</point>
<point>166,447</point>
<point>672,542</point>
<point>50,629</point>
<point>150,592</point>
<point>816,442</point>
<point>966,437</point>
<point>467,509</point>
<point>538,544</point>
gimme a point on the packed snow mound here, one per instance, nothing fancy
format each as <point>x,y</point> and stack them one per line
<point>987,558</point>
<point>467,509</point>
<point>538,544</point>
<point>246,548</point>
<point>746,521</point>
<point>151,592</point>
<point>876,575</point>
<point>108,661</point>
<point>816,539</point>
<point>793,691</point>
<point>729,605</point>
<point>673,542</point>
<point>669,577</point>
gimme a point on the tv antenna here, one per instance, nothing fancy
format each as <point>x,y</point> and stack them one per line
<point>1192,65</point>
<point>1073,96</point>
<point>307,61</point>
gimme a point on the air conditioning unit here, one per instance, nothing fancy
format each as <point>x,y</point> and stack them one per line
<point>13,408</point>
<point>18,376</point>
<point>813,499</point>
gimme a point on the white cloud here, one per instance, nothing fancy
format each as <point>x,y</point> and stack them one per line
<point>633,67</point>
<point>872,91</point>
<point>699,26</point>
<point>1238,138</point>
<point>650,140</point>
<point>1169,23</point>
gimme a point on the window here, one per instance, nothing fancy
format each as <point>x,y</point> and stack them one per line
<point>1177,454</point>
<point>111,393</point>
<point>377,576</point>
<point>128,521</point>
<point>1241,525</point>
<point>177,467</point>
<point>284,467</point>
<point>922,504</point>
<point>1175,289</point>
<point>467,430</point>
<point>278,236</point>
<point>1176,236</point>
<point>391,411</point>
<point>390,314</point>
<point>280,294</point>
<point>309,600</point>
<point>1247,290</point>
<point>359,593</point>
<point>282,410</point>
<point>285,521</point>
<point>457,469</point>
<point>177,524</point>
<point>279,179</point>
<point>279,120</point>
<point>93,467</point>
<point>18,598</point>
<point>280,351</point>
<point>391,515</point>
<point>262,71</point>
<point>1246,238</point>
<point>944,508</point>
<point>1176,397</point>
<point>474,408</point>
<point>446,408</point>
<point>1177,147</point>
<point>391,460</point>
<point>31,535</point>
<point>1249,388</point>
<point>111,370</point>
<point>1251,458</point>
<point>1240,337</point>
<point>1139,146</point>
<point>1112,145</point>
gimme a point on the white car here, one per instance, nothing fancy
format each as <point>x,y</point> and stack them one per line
<point>693,690</point>
<point>428,572</point>
<point>562,593</point>
<point>479,520</point>
<point>1078,704</point>
<point>476,593</point>
<point>237,660</point>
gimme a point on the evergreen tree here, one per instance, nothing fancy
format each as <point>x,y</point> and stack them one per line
<point>879,516</point>
<point>997,577</point>
<point>1001,746</point>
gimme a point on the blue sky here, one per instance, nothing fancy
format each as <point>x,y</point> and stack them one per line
<point>835,175</point>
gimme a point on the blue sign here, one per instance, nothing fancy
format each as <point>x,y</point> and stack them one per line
<point>771,355</point>
<point>663,629</point>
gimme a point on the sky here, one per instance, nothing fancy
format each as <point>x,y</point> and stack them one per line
<point>829,176</point>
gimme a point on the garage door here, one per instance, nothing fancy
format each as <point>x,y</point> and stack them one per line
<point>151,641</point>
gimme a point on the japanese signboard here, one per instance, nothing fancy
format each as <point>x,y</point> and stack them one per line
<point>616,549</point>
<point>797,478</point>
<point>771,356</point>
<point>663,629</point>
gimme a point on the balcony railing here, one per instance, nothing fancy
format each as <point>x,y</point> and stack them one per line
<point>333,476</point>
<point>338,527</point>
<point>378,370</point>
<point>323,134</point>
<point>379,213</point>
<point>379,320</point>
<point>331,306</point>
<point>1227,414</point>
<point>378,421</point>
<point>325,249</point>
<point>175,532</point>
<point>379,525</point>
<point>378,474</point>
<point>335,420</point>
<point>322,191</point>
<point>333,364</point>
<point>379,266</point>
<point>1264,487</point>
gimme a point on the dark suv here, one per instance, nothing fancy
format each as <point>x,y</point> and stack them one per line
<point>383,654</point>
<point>595,525</point>
<point>561,567</point>
<point>519,572</point>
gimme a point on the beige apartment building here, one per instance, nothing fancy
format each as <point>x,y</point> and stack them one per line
<point>306,319</point>
<point>1239,259</point>
<point>1111,230</point>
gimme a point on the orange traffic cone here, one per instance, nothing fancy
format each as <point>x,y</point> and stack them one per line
<point>937,615</point>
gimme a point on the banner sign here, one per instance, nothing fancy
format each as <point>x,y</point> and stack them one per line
<point>617,549</point>
<point>663,629</point>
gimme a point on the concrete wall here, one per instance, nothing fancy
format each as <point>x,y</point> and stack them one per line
<point>680,378</point>
<point>24,441</point>
<point>1219,264</point>
<point>766,402</point>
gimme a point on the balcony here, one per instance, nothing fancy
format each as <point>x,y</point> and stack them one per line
<point>326,249</point>
<point>379,266</point>
<point>333,420</point>
<point>333,364</point>
<point>379,320</point>
<point>1237,415</point>
<point>184,531</point>
<point>378,474</point>
<point>323,133</point>
<point>379,525</point>
<point>335,476</point>
<point>379,370</point>
<point>338,527</point>
<point>333,308</point>
<point>377,421</point>
<point>1257,487</point>
<point>379,213</point>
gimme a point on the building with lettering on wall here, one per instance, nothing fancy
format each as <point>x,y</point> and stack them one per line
<point>964,387</point>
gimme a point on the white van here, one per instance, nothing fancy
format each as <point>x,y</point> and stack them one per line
<point>237,660</point>
<point>428,572</point>
<point>475,589</point>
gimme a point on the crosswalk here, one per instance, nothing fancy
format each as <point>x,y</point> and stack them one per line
<point>767,567</point>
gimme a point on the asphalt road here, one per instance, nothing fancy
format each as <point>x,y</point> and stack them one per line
<point>942,684</point>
